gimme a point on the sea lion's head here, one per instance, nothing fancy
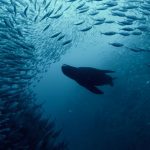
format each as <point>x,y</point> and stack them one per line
<point>69,71</point>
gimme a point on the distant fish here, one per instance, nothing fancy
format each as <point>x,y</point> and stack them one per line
<point>137,49</point>
<point>61,37</point>
<point>127,29</point>
<point>56,16</point>
<point>80,6</point>
<point>133,49</point>
<point>109,21</point>
<point>126,22</point>
<point>130,6</point>
<point>83,10</point>
<point>25,11</point>
<point>124,33</point>
<point>36,17</point>
<point>99,19</point>
<point>111,3</point>
<point>35,4</point>
<point>79,23</point>
<point>93,13</point>
<point>15,9</point>
<point>59,8</point>
<point>86,29</point>
<point>46,27</point>
<point>109,33</point>
<point>143,28</point>
<point>102,8</point>
<point>55,35</point>
<point>116,44</point>
<point>136,33</point>
<point>45,8</point>
<point>66,42</point>
<point>98,22</point>
<point>47,15</point>
<point>132,17</point>
<point>119,14</point>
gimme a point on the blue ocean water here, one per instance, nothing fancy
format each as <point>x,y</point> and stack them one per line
<point>37,37</point>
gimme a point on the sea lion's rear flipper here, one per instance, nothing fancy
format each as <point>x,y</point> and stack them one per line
<point>94,89</point>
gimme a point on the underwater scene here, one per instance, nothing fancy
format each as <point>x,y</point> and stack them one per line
<point>74,74</point>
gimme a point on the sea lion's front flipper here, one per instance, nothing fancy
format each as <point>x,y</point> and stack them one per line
<point>94,89</point>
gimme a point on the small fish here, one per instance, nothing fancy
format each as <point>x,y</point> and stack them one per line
<point>79,23</point>
<point>130,6</point>
<point>86,29</point>
<point>46,27</point>
<point>67,7</point>
<point>133,49</point>
<point>102,8</point>
<point>15,9</point>
<point>66,42</point>
<point>35,4</point>
<point>93,13</point>
<point>137,49</point>
<point>109,33</point>
<point>132,17</point>
<point>59,8</point>
<point>56,16</point>
<point>143,50</point>
<point>119,14</point>
<point>116,44</point>
<point>84,9</point>
<point>126,22</point>
<point>80,6</point>
<point>136,33</point>
<point>111,3</point>
<point>127,29</point>
<point>47,5</point>
<point>99,19</point>
<point>47,15</point>
<point>25,11</point>
<point>61,37</point>
<point>109,21</point>
<point>142,28</point>
<point>55,35</point>
<point>98,22</point>
<point>36,17</point>
<point>124,33</point>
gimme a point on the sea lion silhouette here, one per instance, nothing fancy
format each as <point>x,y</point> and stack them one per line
<point>89,77</point>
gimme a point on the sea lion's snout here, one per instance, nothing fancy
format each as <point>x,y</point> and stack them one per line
<point>65,68</point>
<point>68,70</point>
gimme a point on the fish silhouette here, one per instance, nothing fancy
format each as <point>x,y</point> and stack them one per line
<point>89,77</point>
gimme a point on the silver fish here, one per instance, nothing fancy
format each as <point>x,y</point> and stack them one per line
<point>86,29</point>
<point>66,42</point>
